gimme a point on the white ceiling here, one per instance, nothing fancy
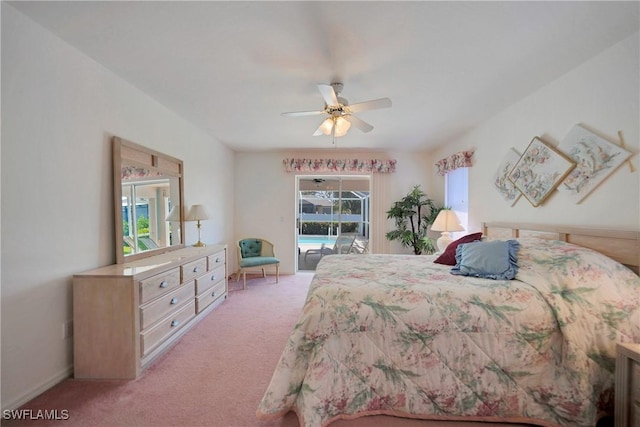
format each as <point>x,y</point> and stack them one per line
<point>233,67</point>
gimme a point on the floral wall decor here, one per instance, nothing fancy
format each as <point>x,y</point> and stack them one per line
<point>539,171</point>
<point>595,157</point>
<point>461,159</point>
<point>501,180</point>
<point>339,165</point>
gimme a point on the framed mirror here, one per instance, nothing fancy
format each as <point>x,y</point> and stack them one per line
<point>148,201</point>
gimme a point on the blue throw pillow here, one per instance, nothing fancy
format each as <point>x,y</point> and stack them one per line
<point>496,260</point>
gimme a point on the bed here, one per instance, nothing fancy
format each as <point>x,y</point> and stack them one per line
<point>400,335</point>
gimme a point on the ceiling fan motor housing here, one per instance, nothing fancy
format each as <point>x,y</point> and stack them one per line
<point>337,87</point>
<point>337,111</point>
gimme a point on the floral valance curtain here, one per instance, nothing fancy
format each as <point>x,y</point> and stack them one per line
<point>461,159</point>
<point>132,172</point>
<point>339,165</point>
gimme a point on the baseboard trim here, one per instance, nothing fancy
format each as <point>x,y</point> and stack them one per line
<point>38,390</point>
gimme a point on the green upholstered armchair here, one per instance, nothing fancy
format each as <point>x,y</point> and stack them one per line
<point>255,253</point>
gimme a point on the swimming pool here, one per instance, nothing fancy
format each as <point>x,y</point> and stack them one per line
<point>315,239</point>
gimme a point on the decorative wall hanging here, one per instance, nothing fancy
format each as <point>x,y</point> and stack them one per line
<point>595,157</point>
<point>336,165</point>
<point>461,159</point>
<point>631,167</point>
<point>501,181</point>
<point>539,171</point>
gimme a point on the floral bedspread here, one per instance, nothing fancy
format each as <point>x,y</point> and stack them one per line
<point>400,335</point>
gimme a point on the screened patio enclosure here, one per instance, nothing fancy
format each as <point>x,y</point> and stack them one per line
<point>329,207</point>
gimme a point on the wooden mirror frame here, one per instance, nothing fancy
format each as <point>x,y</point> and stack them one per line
<point>155,164</point>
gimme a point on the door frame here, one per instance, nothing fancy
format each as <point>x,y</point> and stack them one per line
<point>340,178</point>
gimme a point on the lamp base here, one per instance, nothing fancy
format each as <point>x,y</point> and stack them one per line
<point>199,243</point>
<point>444,241</point>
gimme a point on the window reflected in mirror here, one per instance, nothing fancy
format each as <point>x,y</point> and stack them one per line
<point>145,210</point>
<point>148,197</point>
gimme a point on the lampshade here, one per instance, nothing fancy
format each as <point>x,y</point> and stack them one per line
<point>197,213</point>
<point>174,214</point>
<point>326,126</point>
<point>342,126</point>
<point>339,126</point>
<point>447,220</point>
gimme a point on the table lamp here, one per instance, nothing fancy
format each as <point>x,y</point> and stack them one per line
<point>446,221</point>
<point>174,214</point>
<point>197,213</point>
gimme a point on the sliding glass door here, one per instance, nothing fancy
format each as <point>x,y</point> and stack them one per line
<point>333,215</point>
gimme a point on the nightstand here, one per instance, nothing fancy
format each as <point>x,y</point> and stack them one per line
<point>627,385</point>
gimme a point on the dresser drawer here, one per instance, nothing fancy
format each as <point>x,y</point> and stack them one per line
<point>217,259</point>
<point>150,338</point>
<point>208,280</point>
<point>193,269</point>
<point>205,299</point>
<point>161,307</point>
<point>155,286</point>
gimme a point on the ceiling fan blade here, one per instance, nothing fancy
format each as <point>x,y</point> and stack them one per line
<point>360,124</point>
<point>303,113</point>
<point>328,94</point>
<point>370,105</point>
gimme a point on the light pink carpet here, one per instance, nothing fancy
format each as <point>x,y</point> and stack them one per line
<point>215,375</point>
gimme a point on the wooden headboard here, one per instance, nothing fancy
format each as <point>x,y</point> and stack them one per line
<point>620,245</point>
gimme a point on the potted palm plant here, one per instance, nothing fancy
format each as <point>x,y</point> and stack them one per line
<point>412,216</point>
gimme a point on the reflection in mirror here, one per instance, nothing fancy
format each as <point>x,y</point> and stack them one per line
<point>148,195</point>
<point>144,204</point>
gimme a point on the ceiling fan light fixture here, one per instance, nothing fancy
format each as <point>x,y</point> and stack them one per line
<point>340,112</point>
<point>327,126</point>
<point>342,126</point>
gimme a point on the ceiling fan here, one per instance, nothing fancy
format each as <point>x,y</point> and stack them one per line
<point>340,112</point>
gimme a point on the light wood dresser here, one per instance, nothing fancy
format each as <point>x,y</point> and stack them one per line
<point>628,385</point>
<point>125,315</point>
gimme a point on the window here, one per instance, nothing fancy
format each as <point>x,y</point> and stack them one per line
<point>457,196</point>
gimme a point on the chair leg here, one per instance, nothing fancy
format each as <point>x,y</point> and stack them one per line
<point>244,280</point>
<point>277,273</point>
<point>264,274</point>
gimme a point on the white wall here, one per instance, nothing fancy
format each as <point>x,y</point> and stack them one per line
<point>603,94</point>
<point>59,110</point>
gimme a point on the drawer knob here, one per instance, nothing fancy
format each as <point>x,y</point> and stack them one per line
<point>213,277</point>
<point>174,300</point>
<point>174,323</point>
<point>213,294</point>
<point>195,269</point>
<point>163,284</point>
<point>217,259</point>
